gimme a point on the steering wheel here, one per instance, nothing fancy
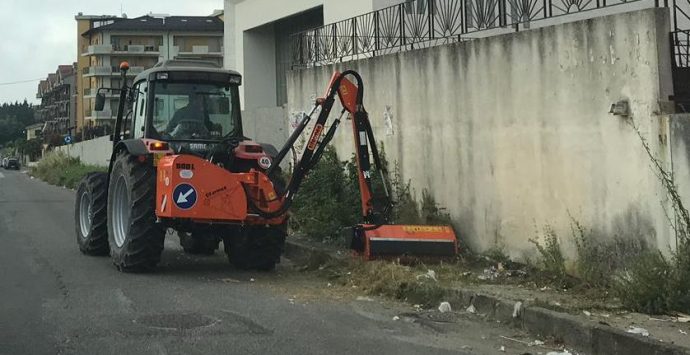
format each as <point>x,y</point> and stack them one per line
<point>188,128</point>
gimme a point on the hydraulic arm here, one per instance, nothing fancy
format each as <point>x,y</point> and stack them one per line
<point>375,236</point>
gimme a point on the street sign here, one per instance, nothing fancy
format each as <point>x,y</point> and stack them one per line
<point>68,139</point>
<point>185,196</point>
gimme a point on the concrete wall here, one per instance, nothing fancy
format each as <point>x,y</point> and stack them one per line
<point>266,125</point>
<point>93,152</point>
<point>512,133</point>
<point>250,15</point>
<point>259,85</point>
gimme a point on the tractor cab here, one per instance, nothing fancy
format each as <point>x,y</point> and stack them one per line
<point>192,105</point>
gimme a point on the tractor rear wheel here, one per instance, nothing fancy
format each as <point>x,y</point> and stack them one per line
<point>256,247</point>
<point>198,244</point>
<point>90,214</point>
<point>136,240</point>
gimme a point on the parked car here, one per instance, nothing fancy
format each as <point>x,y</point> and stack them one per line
<point>12,163</point>
<point>4,162</point>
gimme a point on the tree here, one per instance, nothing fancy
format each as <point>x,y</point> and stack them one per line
<point>14,117</point>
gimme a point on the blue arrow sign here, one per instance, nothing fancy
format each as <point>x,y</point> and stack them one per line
<point>68,139</point>
<point>184,196</point>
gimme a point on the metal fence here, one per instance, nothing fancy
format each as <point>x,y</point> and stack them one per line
<point>680,41</point>
<point>424,23</point>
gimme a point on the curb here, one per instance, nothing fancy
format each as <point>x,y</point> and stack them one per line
<point>587,336</point>
<point>584,335</point>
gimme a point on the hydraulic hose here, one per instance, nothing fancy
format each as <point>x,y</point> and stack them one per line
<point>315,148</point>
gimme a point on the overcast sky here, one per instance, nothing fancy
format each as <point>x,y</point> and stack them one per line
<point>38,35</point>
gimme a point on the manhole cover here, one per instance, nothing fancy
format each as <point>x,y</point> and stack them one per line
<point>181,321</point>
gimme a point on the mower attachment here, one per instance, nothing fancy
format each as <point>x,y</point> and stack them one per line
<point>373,242</point>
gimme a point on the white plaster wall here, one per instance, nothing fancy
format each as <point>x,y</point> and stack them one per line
<point>513,132</point>
<point>92,152</point>
<point>243,15</point>
<point>259,70</point>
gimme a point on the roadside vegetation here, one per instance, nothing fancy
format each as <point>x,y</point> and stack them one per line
<point>620,272</point>
<point>57,168</point>
<point>329,200</point>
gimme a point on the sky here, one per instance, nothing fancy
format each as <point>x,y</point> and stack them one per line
<point>39,35</point>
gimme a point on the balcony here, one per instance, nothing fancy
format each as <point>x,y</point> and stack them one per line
<point>91,93</point>
<point>110,71</point>
<point>97,71</point>
<point>197,51</point>
<point>99,115</point>
<point>101,49</point>
<point>135,70</point>
<point>136,50</point>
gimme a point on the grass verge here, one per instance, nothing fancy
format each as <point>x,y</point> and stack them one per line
<point>59,169</point>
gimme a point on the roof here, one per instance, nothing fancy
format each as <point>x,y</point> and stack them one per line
<point>184,65</point>
<point>172,23</point>
<point>65,70</point>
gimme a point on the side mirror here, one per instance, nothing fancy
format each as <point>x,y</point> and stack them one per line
<point>100,102</point>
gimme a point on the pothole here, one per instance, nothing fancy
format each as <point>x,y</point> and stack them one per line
<point>176,321</point>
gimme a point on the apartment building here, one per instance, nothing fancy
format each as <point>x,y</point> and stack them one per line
<point>105,41</point>
<point>57,92</point>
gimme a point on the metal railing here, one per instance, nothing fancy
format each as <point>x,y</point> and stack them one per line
<point>425,23</point>
<point>680,41</point>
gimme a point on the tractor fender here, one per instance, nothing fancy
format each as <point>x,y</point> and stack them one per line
<point>132,146</point>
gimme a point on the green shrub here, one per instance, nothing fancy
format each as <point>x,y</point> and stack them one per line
<point>329,199</point>
<point>326,202</point>
<point>59,169</point>
<point>645,286</point>
<point>598,259</point>
<point>551,258</point>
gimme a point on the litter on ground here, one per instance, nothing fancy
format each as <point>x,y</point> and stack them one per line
<point>638,330</point>
<point>444,307</point>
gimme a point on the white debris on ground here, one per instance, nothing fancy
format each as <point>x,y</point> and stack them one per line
<point>489,274</point>
<point>517,309</point>
<point>638,330</point>
<point>564,352</point>
<point>681,331</point>
<point>444,307</point>
<point>471,309</point>
<point>537,343</point>
<point>396,318</point>
<point>251,280</point>
<point>430,275</point>
<point>588,314</point>
<point>365,299</point>
<point>503,348</point>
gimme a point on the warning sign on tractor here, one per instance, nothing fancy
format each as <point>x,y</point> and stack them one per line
<point>185,196</point>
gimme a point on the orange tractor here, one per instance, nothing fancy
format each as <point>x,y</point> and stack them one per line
<point>180,161</point>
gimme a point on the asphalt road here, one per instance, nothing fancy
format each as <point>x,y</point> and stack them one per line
<point>54,300</point>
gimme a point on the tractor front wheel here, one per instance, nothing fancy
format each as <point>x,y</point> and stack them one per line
<point>136,240</point>
<point>256,247</point>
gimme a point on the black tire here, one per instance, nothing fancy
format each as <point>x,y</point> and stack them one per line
<point>256,247</point>
<point>198,244</point>
<point>90,215</point>
<point>138,243</point>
